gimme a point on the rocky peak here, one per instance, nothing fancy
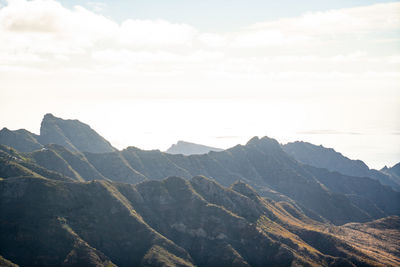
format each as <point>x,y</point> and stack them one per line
<point>72,134</point>
<point>264,143</point>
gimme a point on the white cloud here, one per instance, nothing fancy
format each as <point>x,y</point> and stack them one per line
<point>349,20</point>
<point>47,24</point>
<point>320,26</point>
<point>97,6</point>
<point>155,33</point>
<point>42,35</point>
<point>268,37</point>
<point>212,39</point>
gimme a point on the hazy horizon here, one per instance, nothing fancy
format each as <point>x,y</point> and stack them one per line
<point>148,74</point>
<point>122,138</point>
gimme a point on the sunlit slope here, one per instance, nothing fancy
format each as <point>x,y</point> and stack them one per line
<point>174,222</point>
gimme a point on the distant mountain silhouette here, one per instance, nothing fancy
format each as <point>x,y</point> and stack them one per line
<point>321,157</point>
<point>72,134</point>
<point>187,148</point>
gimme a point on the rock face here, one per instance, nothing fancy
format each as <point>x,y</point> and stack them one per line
<point>72,134</point>
<point>321,157</point>
<point>187,148</point>
<point>172,222</point>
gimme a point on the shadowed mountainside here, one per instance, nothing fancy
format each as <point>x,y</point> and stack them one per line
<point>171,222</point>
<point>262,163</point>
<point>321,157</point>
<point>393,171</point>
<point>60,206</point>
<point>322,195</point>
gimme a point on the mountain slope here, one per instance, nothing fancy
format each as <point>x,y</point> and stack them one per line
<point>172,222</point>
<point>394,172</point>
<point>261,163</point>
<point>72,134</point>
<point>56,221</point>
<point>321,157</point>
<point>366,193</point>
<point>187,148</point>
<point>22,140</point>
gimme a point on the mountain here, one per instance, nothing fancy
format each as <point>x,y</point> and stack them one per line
<point>368,194</point>
<point>175,222</point>
<point>261,163</point>
<point>394,171</point>
<point>259,206</point>
<point>321,157</point>
<point>72,134</point>
<point>187,148</point>
<point>21,140</point>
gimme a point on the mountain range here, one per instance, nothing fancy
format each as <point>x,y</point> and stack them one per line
<point>68,198</point>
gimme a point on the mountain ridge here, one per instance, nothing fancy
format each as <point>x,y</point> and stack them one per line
<point>321,157</point>
<point>272,173</point>
<point>261,163</point>
<point>250,205</point>
<point>54,130</point>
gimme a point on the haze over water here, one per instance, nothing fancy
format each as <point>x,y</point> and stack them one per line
<point>225,123</point>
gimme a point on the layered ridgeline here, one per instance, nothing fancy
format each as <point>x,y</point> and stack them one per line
<point>65,206</point>
<point>175,222</point>
<point>262,163</point>
<point>322,195</point>
<point>321,157</point>
<point>72,134</point>
<point>187,148</point>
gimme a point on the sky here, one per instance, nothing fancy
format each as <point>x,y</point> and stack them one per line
<point>150,73</point>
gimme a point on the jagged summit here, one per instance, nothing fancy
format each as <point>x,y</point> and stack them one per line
<point>72,134</point>
<point>265,142</point>
<point>48,116</point>
<point>187,148</point>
